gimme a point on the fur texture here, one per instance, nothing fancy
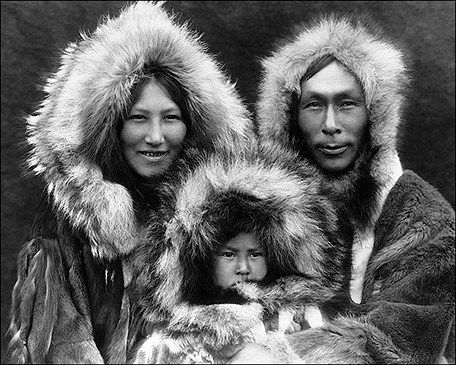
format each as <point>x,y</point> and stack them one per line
<point>73,130</point>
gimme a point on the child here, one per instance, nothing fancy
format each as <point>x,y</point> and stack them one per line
<point>243,259</point>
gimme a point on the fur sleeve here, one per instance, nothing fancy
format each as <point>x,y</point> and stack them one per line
<point>45,325</point>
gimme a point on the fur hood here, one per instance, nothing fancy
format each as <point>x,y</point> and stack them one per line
<point>71,135</point>
<point>269,191</point>
<point>377,63</point>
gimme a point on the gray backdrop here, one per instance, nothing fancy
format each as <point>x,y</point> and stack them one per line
<point>238,32</point>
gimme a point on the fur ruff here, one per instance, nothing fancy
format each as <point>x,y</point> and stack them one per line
<point>70,132</point>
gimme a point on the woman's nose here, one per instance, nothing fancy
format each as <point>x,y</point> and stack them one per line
<point>330,125</point>
<point>154,135</point>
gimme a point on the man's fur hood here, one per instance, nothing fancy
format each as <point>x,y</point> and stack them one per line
<point>359,45</point>
<point>278,197</point>
<point>72,131</point>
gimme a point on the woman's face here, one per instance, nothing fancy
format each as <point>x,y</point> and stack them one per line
<point>241,259</point>
<point>153,133</point>
<point>332,117</point>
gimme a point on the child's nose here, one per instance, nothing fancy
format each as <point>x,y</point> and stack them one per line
<point>242,267</point>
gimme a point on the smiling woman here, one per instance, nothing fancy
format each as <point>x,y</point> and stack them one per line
<point>153,133</point>
<point>134,106</point>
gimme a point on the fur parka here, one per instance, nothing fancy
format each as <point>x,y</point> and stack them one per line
<point>270,192</point>
<point>402,273</point>
<point>68,304</point>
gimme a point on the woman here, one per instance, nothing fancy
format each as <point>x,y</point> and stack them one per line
<point>131,105</point>
<point>334,93</point>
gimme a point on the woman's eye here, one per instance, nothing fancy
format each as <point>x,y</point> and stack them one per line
<point>136,117</point>
<point>172,117</point>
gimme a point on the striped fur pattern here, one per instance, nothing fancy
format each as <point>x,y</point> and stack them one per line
<point>33,331</point>
<point>73,129</point>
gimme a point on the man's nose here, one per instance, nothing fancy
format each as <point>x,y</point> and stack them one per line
<point>330,125</point>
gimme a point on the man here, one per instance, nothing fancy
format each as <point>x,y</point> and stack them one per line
<point>335,93</point>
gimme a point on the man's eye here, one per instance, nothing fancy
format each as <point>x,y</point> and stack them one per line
<point>227,254</point>
<point>348,103</point>
<point>312,105</point>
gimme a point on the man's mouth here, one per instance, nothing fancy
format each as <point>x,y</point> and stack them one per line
<point>332,149</point>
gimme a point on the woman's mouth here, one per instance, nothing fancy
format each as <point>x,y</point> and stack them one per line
<point>153,155</point>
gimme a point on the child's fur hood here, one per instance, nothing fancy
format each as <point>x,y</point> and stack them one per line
<point>276,194</point>
<point>73,129</point>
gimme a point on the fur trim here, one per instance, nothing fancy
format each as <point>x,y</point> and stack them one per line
<point>87,96</point>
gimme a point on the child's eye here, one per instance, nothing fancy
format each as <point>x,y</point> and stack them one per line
<point>257,254</point>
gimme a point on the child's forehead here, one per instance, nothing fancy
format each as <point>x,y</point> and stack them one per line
<point>244,240</point>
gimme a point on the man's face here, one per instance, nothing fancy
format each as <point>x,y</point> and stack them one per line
<point>241,259</point>
<point>332,117</point>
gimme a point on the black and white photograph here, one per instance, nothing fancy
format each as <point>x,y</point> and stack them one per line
<point>228,182</point>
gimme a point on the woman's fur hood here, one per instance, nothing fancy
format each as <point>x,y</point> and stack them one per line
<point>72,131</point>
<point>273,193</point>
<point>379,65</point>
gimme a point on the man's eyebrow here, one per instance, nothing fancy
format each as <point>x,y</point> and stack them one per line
<point>344,93</point>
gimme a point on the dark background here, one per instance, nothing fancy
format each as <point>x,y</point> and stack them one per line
<point>238,32</point>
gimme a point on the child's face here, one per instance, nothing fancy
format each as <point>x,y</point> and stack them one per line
<point>241,259</point>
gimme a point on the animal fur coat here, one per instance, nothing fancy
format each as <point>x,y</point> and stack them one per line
<point>69,304</point>
<point>269,192</point>
<point>403,256</point>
